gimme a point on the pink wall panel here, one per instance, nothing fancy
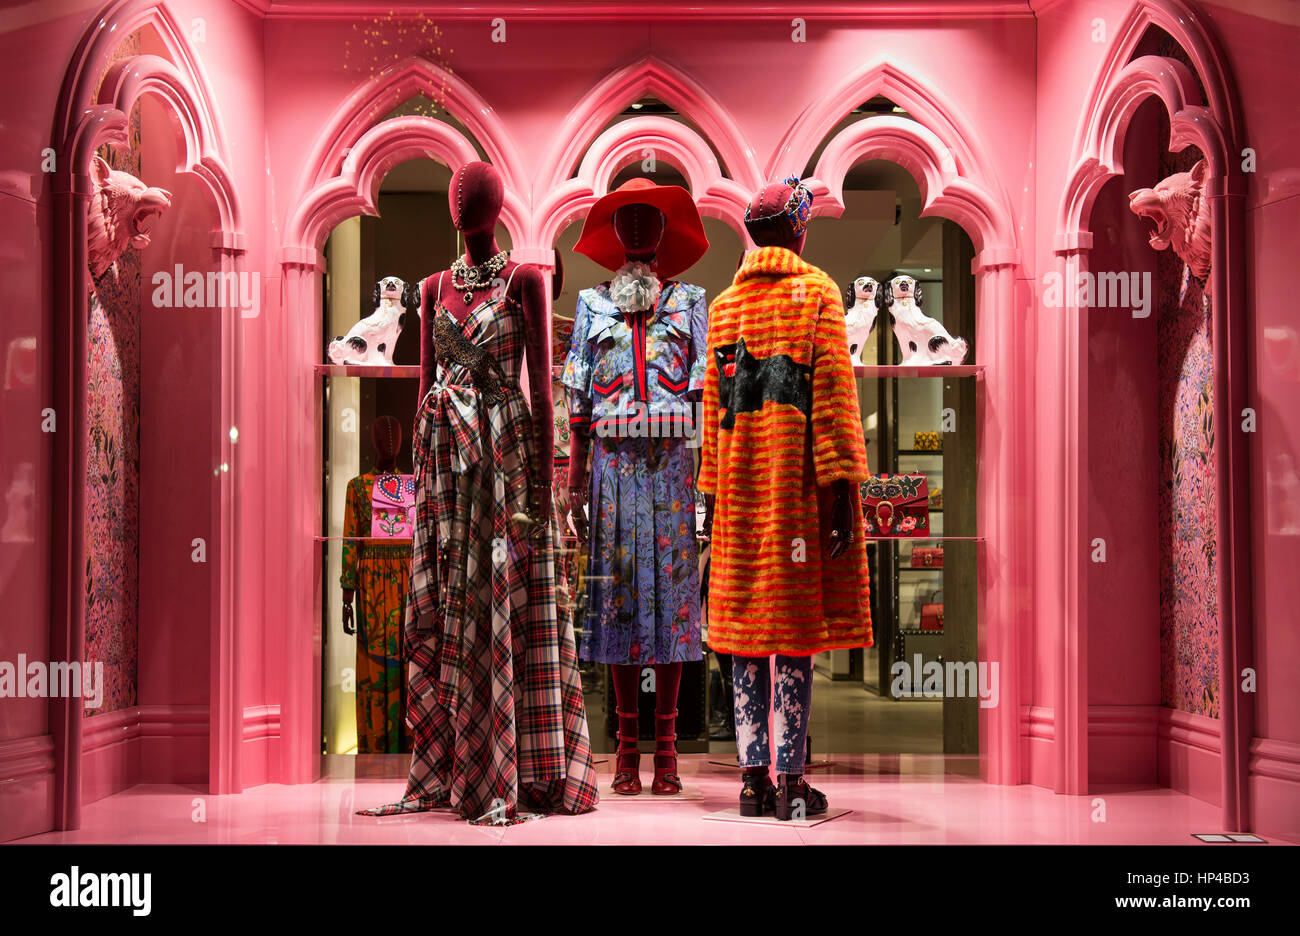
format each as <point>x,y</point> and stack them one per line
<point>179,455</point>
<point>37,46</point>
<point>1123,600</point>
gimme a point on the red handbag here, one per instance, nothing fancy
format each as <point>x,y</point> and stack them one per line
<point>927,557</point>
<point>932,613</point>
<point>896,505</point>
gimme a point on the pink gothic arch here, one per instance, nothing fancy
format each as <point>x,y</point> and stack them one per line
<point>89,117</point>
<point>359,111</point>
<point>355,188</point>
<point>945,163</point>
<point>670,140</point>
<point>923,103</point>
<point>341,179</point>
<point>654,77</point>
<point>1121,85</point>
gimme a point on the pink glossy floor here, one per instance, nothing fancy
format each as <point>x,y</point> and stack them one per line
<point>923,799</point>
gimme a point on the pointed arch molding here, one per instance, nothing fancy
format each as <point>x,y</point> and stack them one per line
<point>1212,123</point>
<point>927,106</point>
<point>355,189</point>
<point>93,112</point>
<point>933,166</point>
<point>938,147</point>
<point>649,77</point>
<point>626,142</point>
<point>357,114</point>
<point>1099,155</point>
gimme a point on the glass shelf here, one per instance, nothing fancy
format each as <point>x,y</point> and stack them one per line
<point>924,539</point>
<point>406,371</point>
<point>918,370</point>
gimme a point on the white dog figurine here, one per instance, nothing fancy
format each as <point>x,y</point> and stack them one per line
<point>371,340</point>
<point>860,314</point>
<point>922,339</point>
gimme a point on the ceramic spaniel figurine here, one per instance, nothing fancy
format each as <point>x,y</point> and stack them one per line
<point>860,314</point>
<point>923,340</point>
<point>371,340</point>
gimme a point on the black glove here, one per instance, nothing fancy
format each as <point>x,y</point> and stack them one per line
<point>841,519</point>
<point>349,622</point>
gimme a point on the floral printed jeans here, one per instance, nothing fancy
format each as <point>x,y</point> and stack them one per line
<point>754,699</point>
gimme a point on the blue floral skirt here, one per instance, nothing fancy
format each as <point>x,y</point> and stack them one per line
<point>644,582</point>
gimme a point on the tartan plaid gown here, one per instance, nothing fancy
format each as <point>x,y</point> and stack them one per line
<point>494,700</point>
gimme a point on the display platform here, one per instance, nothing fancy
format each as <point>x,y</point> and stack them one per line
<point>689,794</point>
<point>733,815</point>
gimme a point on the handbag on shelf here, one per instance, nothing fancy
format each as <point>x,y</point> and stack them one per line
<point>925,441</point>
<point>927,557</point>
<point>932,613</point>
<point>392,507</point>
<point>936,499</point>
<point>896,505</point>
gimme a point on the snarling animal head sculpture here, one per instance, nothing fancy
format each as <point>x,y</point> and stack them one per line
<point>922,339</point>
<point>122,209</point>
<point>1180,215</point>
<point>860,314</point>
<point>372,340</point>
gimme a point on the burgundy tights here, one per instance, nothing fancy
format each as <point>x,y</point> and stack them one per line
<point>627,687</point>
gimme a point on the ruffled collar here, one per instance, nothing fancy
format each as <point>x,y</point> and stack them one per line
<point>773,261</point>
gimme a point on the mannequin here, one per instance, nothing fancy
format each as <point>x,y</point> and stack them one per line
<point>379,570</point>
<point>638,346</point>
<point>495,700</point>
<point>789,574</point>
<point>475,197</point>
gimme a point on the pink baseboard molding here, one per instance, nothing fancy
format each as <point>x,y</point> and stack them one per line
<point>174,744</point>
<point>1122,744</point>
<point>1038,745</point>
<point>260,754</point>
<point>26,786</point>
<point>1275,788</point>
<point>144,744</point>
<point>1189,754</point>
<point>110,753</point>
<point>1136,744</point>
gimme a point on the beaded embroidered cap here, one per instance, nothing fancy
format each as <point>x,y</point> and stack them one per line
<point>791,217</point>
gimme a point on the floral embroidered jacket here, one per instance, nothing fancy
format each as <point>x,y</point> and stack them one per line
<point>637,374</point>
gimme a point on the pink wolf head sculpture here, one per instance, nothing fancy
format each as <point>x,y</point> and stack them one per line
<point>122,209</point>
<point>1180,215</point>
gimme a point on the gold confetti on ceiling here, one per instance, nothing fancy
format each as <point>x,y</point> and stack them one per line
<point>380,42</point>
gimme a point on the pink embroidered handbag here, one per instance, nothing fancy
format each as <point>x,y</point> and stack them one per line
<point>392,507</point>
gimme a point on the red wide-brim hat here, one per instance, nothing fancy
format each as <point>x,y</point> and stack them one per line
<point>683,242</point>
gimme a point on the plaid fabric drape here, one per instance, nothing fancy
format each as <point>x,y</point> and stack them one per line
<point>494,701</point>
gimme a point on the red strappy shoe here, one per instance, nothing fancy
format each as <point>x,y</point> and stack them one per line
<point>627,761</point>
<point>666,782</point>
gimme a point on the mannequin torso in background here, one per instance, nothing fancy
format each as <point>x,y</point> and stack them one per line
<point>375,573</point>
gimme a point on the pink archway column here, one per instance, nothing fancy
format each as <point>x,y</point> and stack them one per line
<point>350,190</point>
<point>93,113</point>
<point>1004,412</point>
<point>1119,88</point>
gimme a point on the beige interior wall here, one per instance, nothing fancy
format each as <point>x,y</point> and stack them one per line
<point>344,412</point>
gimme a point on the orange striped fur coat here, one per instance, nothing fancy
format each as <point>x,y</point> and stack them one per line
<point>781,423</point>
